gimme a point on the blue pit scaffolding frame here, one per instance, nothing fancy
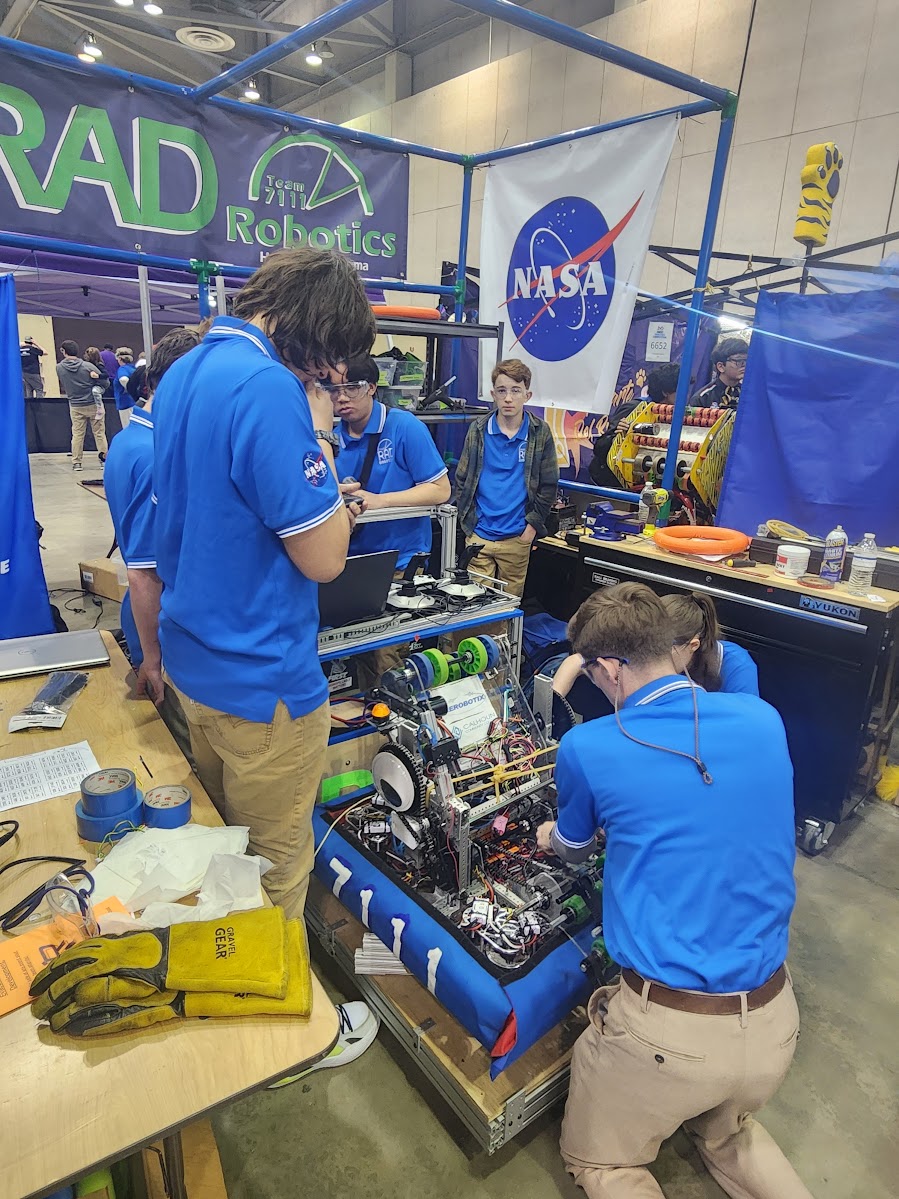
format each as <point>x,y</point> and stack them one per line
<point>712,98</point>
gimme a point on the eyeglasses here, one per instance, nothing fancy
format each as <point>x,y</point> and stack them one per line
<point>515,392</point>
<point>737,361</point>
<point>352,391</point>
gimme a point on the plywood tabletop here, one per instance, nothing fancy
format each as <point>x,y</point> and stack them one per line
<point>68,1105</point>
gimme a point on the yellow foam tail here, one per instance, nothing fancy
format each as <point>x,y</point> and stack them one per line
<point>820,178</point>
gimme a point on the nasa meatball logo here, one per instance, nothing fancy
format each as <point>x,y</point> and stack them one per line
<point>315,469</point>
<point>561,277</point>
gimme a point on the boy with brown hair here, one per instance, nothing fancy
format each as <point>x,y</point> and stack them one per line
<point>507,479</point>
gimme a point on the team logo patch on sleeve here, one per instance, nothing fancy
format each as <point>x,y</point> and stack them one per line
<point>315,469</point>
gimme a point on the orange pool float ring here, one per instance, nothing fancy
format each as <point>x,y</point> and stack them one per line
<point>701,539</point>
<point>404,312</point>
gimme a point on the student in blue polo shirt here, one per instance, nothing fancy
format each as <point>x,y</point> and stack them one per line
<point>249,521</point>
<point>507,479</point>
<point>694,793</point>
<point>387,459</point>
<point>129,489</point>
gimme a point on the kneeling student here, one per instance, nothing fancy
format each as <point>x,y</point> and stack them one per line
<point>507,479</point>
<point>702,1027</point>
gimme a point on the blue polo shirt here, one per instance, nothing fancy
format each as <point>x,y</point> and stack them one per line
<point>120,386</point>
<point>502,493</point>
<point>739,672</point>
<point>128,482</point>
<point>236,470</point>
<point>698,877</point>
<point>405,456</point>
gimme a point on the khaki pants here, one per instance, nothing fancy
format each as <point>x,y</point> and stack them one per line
<point>82,416</point>
<point>506,560</point>
<point>640,1071</point>
<point>265,776</point>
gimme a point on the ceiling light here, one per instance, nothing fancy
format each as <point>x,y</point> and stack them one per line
<point>125,3</point>
<point>313,57</point>
<point>152,8</point>
<point>251,91</point>
<point>325,50</point>
<point>88,50</point>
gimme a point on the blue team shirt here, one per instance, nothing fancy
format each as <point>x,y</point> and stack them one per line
<point>502,493</point>
<point>406,456</point>
<point>128,482</point>
<point>237,469</point>
<point>739,672</point>
<point>120,386</point>
<point>698,877</point>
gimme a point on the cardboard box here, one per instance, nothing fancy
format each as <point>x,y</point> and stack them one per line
<point>107,577</point>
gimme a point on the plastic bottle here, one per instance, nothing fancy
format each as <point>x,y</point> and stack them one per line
<point>834,557</point>
<point>864,563</point>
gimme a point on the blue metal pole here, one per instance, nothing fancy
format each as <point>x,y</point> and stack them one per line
<point>203,297</point>
<point>462,263</point>
<point>68,62</point>
<point>357,136</point>
<point>685,110</point>
<point>534,22</point>
<point>22,241</point>
<point>329,22</point>
<point>607,493</point>
<point>716,187</point>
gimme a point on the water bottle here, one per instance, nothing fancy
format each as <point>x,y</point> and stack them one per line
<point>834,557</point>
<point>864,563</point>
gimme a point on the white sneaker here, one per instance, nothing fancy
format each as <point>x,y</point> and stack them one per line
<point>358,1028</point>
<point>76,466</point>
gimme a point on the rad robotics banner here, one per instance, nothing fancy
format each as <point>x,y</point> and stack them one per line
<point>563,241</point>
<point>90,159</point>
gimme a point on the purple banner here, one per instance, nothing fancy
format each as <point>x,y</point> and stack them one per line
<point>87,158</point>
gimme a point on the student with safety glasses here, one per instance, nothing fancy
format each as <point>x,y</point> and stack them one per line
<point>729,363</point>
<point>702,1027</point>
<point>387,459</point>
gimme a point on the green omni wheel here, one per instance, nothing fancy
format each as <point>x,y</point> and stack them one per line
<point>439,663</point>
<point>473,656</point>
<point>455,672</point>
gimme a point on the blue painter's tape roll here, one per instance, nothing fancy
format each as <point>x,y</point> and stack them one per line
<point>98,828</point>
<point>166,807</point>
<point>109,792</point>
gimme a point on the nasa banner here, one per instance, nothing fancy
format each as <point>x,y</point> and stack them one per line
<point>84,157</point>
<point>563,241</point>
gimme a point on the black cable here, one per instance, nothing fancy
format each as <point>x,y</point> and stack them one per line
<point>8,829</point>
<point>72,868</point>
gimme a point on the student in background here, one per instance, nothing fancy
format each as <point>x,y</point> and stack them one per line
<point>124,371</point>
<point>109,359</point>
<point>507,479</point>
<point>80,381</point>
<point>32,383</point>
<point>729,365</point>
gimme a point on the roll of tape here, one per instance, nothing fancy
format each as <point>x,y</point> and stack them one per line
<point>166,807</point>
<point>109,792</point>
<point>99,828</point>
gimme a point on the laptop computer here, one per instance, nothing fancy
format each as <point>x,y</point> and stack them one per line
<point>51,651</point>
<point>359,592</point>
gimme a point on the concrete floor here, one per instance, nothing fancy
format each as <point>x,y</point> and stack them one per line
<point>376,1129</point>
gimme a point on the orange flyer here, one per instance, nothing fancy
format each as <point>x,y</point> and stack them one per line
<point>24,956</point>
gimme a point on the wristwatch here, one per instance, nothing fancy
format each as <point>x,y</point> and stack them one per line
<point>329,437</point>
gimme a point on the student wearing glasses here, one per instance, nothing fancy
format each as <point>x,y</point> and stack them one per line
<point>729,362</point>
<point>387,459</point>
<point>507,479</point>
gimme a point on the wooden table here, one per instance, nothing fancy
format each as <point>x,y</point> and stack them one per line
<point>69,1106</point>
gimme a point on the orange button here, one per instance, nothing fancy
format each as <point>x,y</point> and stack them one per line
<point>380,712</point>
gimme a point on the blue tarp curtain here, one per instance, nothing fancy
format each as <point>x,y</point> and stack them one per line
<point>24,606</point>
<point>816,440</point>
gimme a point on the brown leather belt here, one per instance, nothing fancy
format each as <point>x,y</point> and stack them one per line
<point>707,1005</point>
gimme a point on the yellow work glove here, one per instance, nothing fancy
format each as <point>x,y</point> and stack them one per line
<point>111,1004</point>
<point>246,951</point>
